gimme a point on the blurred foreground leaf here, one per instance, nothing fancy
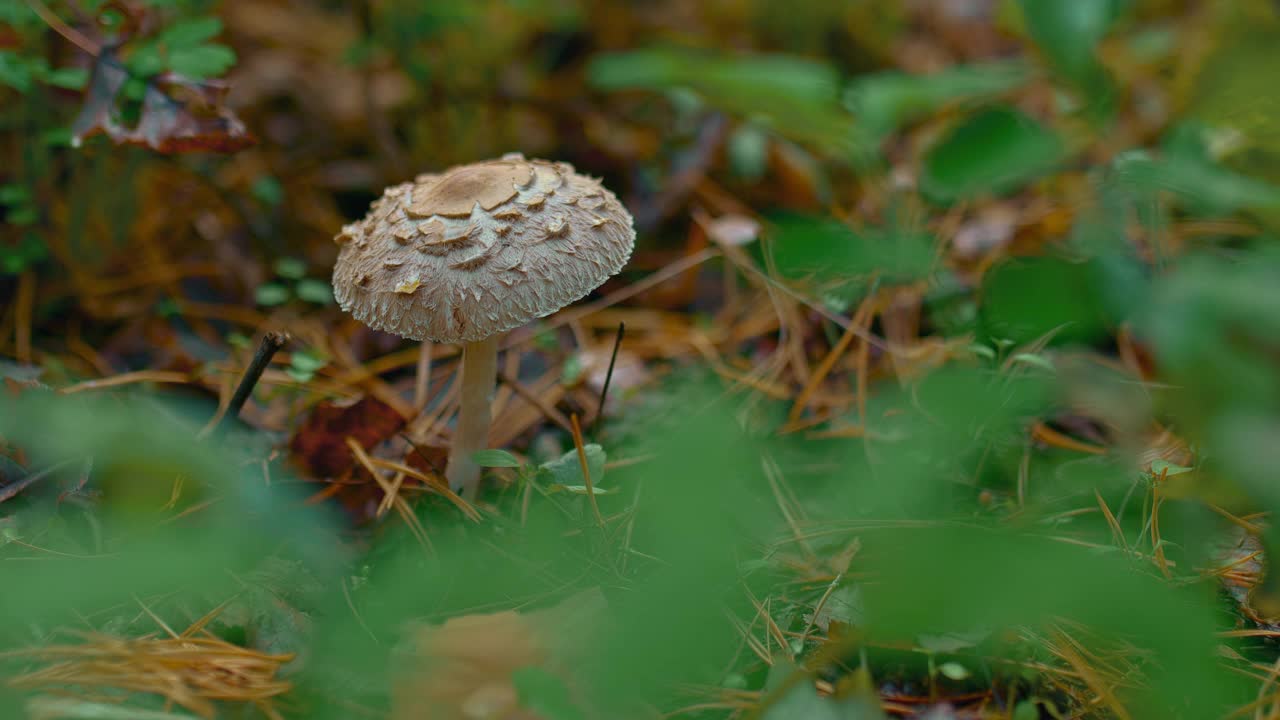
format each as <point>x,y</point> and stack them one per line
<point>991,153</point>
<point>1055,580</point>
<point>1198,183</point>
<point>800,700</point>
<point>1068,32</point>
<point>831,251</point>
<point>797,98</point>
<point>1027,299</point>
<point>176,512</point>
<point>887,100</point>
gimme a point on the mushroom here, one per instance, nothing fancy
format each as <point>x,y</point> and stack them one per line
<point>462,256</point>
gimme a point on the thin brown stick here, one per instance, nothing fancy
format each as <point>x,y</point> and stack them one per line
<point>73,36</point>
<point>586,470</point>
<point>129,378</point>
<point>267,349</point>
<point>24,306</point>
<point>533,399</point>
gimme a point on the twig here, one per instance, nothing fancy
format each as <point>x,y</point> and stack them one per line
<point>271,344</point>
<point>586,469</point>
<point>73,36</point>
<point>24,306</point>
<point>532,398</point>
<point>9,491</point>
<point>608,377</point>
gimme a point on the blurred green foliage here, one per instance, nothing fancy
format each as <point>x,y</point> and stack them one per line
<point>705,534</point>
<point>993,152</point>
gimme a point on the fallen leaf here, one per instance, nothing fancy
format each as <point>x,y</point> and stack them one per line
<point>178,115</point>
<point>319,446</point>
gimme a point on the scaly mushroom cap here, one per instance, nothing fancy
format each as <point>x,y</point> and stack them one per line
<point>480,249</point>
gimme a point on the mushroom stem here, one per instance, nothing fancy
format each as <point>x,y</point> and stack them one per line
<point>479,374</point>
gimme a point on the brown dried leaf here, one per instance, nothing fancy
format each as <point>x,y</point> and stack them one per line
<point>319,446</point>
<point>178,115</point>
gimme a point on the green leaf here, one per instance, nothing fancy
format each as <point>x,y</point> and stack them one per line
<point>269,294</point>
<point>315,291</point>
<point>827,249</point>
<point>1038,361</point>
<point>14,194</point>
<point>756,79</point>
<point>145,60</point>
<point>951,642</point>
<point>190,33</point>
<point>308,359</point>
<point>1196,182</point>
<point>71,78</point>
<point>582,490</point>
<point>17,71</point>
<point>954,671</point>
<point>495,458</point>
<point>572,370</point>
<point>544,694</point>
<point>1068,33</point>
<point>29,251</point>
<point>994,152</point>
<point>1161,467</point>
<point>56,137</point>
<point>566,470</point>
<point>801,701</point>
<point>299,374</point>
<point>1026,710</point>
<point>748,149</point>
<point>796,97</point>
<point>268,190</point>
<point>885,101</point>
<point>1025,299</point>
<point>23,216</point>
<point>290,268</point>
<point>201,61</point>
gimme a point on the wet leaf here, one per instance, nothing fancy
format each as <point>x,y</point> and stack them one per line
<point>991,153</point>
<point>320,445</point>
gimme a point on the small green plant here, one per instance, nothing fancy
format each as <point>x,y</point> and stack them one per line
<point>291,282</point>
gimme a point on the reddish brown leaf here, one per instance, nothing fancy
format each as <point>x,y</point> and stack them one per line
<point>178,115</point>
<point>320,448</point>
<point>428,458</point>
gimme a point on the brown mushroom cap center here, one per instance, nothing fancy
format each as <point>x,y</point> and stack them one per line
<point>457,192</point>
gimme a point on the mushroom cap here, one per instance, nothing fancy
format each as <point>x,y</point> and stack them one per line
<point>480,249</point>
